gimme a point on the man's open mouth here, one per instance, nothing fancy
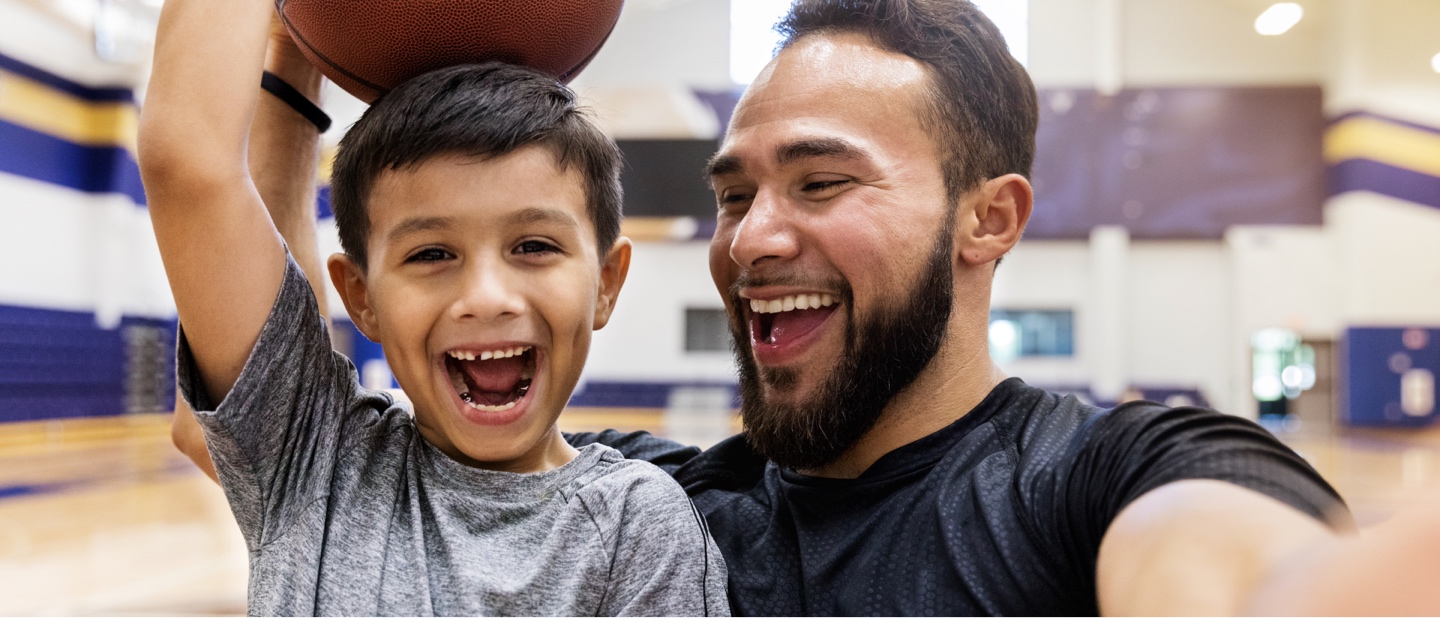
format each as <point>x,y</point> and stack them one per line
<point>491,380</point>
<point>784,319</point>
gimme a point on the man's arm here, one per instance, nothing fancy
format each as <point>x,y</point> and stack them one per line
<point>1199,548</point>
<point>1212,548</point>
<point>221,251</point>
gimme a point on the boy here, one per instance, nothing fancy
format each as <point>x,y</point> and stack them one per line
<point>479,212</point>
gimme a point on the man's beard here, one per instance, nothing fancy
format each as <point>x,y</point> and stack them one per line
<point>881,358</point>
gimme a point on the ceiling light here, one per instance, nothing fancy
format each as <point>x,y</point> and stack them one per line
<point>1435,63</point>
<point>1279,18</point>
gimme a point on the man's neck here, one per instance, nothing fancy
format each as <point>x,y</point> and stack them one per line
<point>959,377</point>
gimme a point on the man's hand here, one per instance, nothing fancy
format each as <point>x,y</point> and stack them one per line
<point>283,155</point>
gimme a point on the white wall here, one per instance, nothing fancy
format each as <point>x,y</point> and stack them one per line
<point>1389,253</point>
<point>1171,298</point>
<point>1379,58</point>
<point>1174,42</point>
<point>645,339</point>
<point>1049,275</point>
<point>1178,326</point>
<point>665,42</point>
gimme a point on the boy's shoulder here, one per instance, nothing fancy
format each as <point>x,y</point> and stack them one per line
<point>617,491</point>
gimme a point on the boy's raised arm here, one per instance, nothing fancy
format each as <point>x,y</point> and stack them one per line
<point>284,155</point>
<point>222,254</point>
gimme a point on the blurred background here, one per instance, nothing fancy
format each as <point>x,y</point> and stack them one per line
<point>1238,206</point>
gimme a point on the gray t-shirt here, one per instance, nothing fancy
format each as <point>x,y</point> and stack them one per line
<point>345,509</point>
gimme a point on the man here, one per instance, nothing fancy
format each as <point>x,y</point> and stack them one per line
<point>870,181</point>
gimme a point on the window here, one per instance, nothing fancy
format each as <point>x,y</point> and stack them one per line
<point>1017,333</point>
<point>707,330</point>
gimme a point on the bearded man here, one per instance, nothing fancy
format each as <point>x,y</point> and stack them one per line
<point>869,184</point>
<point>871,180</point>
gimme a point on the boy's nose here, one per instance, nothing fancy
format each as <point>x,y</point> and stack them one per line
<point>487,294</point>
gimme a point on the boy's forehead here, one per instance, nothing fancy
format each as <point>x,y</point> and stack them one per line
<point>526,186</point>
<point>461,186</point>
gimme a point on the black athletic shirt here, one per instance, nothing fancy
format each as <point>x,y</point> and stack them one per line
<point>1000,513</point>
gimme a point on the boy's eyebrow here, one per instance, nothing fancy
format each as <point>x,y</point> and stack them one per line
<point>544,215</point>
<point>418,224</point>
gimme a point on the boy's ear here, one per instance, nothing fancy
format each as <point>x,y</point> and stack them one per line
<point>349,280</point>
<point>612,278</point>
<point>990,225</point>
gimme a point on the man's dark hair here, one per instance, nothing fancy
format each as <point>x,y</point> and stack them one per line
<point>981,102</point>
<point>481,111</point>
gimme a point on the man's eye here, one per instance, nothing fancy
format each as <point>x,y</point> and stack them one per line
<point>732,200</point>
<point>531,247</point>
<point>822,185</point>
<point>429,255</point>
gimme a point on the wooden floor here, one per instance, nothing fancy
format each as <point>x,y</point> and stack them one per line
<point>104,517</point>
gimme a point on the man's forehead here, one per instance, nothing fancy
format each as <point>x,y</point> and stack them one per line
<point>831,94</point>
<point>829,70</point>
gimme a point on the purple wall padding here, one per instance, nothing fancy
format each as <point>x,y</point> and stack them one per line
<point>1178,162</point>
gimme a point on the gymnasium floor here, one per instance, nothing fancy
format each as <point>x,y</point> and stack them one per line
<point>104,517</point>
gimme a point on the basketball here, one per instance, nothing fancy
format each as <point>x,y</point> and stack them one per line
<point>368,47</point>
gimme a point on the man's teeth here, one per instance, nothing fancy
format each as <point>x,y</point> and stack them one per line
<point>489,354</point>
<point>791,303</point>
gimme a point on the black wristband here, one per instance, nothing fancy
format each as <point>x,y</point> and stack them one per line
<point>272,84</point>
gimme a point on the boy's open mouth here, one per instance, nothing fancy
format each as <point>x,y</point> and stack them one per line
<point>491,381</point>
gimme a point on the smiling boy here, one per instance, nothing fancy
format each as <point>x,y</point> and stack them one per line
<point>479,213</point>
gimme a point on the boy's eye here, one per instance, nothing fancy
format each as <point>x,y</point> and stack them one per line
<point>531,247</point>
<point>429,255</point>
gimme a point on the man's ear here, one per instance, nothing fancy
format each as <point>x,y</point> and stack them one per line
<point>612,277</point>
<point>349,280</point>
<point>995,219</point>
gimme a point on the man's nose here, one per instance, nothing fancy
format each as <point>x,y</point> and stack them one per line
<point>766,233</point>
<point>488,292</point>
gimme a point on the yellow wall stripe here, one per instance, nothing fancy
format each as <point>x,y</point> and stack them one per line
<point>39,107</point>
<point>1397,145</point>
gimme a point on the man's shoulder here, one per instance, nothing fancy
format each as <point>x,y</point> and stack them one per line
<point>1034,418</point>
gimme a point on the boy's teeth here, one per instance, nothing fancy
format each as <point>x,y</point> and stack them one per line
<point>489,354</point>
<point>791,303</point>
<point>484,408</point>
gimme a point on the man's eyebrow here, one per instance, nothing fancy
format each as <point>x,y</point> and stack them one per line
<point>544,215</point>
<point>722,164</point>
<point>418,224</point>
<point>820,147</point>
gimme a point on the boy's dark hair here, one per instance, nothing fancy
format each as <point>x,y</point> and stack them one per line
<point>981,102</point>
<point>482,111</point>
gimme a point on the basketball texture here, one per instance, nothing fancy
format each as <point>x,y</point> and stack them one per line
<point>368,47</point>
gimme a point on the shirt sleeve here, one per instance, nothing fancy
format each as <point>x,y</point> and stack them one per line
<point>1122,454</point>
<point>664,561</point>
<point>668,455</point>
<point>276,435</point>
